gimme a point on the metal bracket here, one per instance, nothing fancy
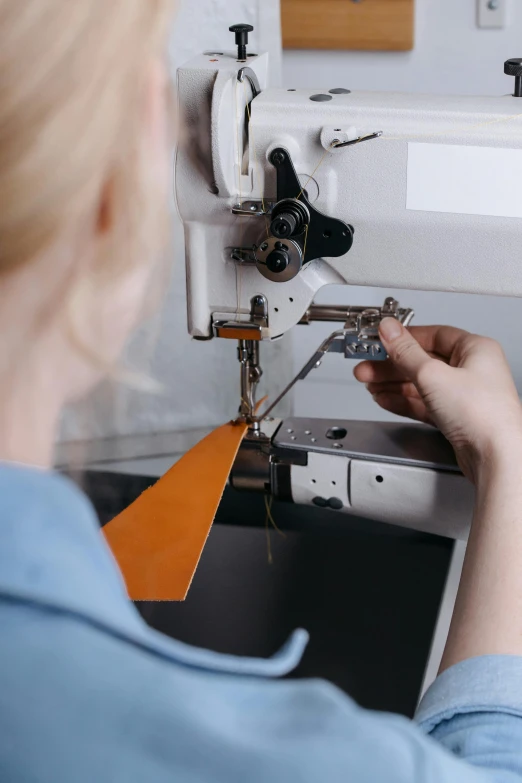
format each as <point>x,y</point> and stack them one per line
<point>259,305</point>
<point>398,444</point>
<point>246,330</point>
<point>253,208</point>
<point>243,255</point>
<point>360,337</point>
<point>358,340</point>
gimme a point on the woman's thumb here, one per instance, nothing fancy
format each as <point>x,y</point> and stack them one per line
<point>403,349</point>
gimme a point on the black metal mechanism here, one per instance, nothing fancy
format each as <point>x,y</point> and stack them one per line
<point>513,67</point>
<point>241,31</point>
<point>278,260</point>
<point>295,218</point>
<point>289,218</point>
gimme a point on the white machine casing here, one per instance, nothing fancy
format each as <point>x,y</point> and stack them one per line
<point>365,185</point>
<point>224,163</point>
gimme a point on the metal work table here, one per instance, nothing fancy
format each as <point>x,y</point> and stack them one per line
<point>368,593</point>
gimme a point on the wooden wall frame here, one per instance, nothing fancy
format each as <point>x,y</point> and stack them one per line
<point>348,24</point>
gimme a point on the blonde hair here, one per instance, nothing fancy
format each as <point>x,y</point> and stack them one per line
<point>71,121</point>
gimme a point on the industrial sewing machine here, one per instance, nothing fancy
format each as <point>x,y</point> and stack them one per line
<point>285,191</point>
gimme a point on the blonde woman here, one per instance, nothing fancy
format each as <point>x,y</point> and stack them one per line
<point>87,691</point>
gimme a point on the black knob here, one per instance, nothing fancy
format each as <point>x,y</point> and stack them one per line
<point>241,31</point>
<point>513,67</point>
<point>284,225</point>
<point>277,261</point>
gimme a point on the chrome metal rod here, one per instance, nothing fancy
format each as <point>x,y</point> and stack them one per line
<point>250,374</point>
<point>327,313</point>
<point>313,363</point>
<point>345,312</point>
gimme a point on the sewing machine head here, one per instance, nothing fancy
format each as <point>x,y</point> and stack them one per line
<point>284,191</point>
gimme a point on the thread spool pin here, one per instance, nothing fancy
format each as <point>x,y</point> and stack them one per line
<point>241,31</point>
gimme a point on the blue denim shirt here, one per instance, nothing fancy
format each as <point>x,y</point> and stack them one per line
<point>89,693</point>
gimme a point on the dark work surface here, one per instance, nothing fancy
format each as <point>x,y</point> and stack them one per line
<point>367,593</point>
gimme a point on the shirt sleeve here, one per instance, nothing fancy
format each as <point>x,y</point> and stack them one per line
<point>474,709</point>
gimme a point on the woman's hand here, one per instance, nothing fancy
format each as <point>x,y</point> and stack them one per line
<point>454,380</point>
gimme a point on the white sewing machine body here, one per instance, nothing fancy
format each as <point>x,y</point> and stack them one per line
<point>365,185</point>
<point>433,204</point>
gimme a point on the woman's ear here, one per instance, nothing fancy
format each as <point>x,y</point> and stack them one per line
<point>106,209</point>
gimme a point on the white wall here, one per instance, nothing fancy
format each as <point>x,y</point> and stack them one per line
<point>451,55</point>
<point>202,25</point>
<point>200,380</point>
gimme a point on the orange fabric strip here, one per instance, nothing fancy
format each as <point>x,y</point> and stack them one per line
<point>158,540</point>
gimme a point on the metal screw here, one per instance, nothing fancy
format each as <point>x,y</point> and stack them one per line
<point>494,5</point>
<point>278,158</point>
<point>264,246</point>
<point>253,207</point>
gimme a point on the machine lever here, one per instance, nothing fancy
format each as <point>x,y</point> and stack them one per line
<point>350,143</point>
<point>252,78</point>
<point>358,340</point>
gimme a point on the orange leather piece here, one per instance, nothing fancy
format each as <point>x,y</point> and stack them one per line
<point>158,540</point>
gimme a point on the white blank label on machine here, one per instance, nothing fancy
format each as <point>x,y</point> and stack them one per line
<point>464,180</point>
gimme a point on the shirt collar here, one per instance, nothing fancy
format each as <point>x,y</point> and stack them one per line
<point>52,554</point>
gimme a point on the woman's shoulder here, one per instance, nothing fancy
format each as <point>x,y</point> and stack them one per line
<point>89,692</point>
<point>83,705</point>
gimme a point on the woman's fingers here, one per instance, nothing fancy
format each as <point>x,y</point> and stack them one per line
<point>401,398</point>
<point>451,379</point>
<point>410,407</point>
<point>403,349</point>
<point>378,372</point>
<point>405,388</point>
<point>439,341</point>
